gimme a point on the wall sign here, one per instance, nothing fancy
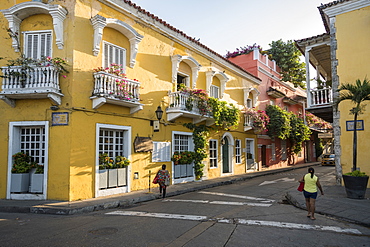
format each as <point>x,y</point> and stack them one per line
<point>59,118</point>
<point>143,144</point>
<point>359,125</point>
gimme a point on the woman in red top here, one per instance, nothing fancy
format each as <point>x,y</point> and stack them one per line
<point>163,180</point>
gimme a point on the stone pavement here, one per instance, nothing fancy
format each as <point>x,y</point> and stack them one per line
<point>333,203</point>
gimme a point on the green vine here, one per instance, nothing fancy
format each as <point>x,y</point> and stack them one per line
<point>279,125</point>
<point>225,115</point>
<point>299,132</point>
<point>200,134</point>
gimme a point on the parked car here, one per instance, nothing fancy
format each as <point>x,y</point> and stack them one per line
<point>328,160</point>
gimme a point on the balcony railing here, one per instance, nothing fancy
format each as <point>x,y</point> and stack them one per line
<point>182,104</point>
<point>113,89</point>
<point>321,97</point>
<point>32,82</point>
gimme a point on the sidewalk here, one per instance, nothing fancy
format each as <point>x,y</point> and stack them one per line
<point>333,203</point>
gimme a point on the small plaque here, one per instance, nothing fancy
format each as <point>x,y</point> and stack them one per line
<point>59,118</point>
<point>359,125</point>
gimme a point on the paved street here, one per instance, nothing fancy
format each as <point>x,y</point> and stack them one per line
<point>249,213</point>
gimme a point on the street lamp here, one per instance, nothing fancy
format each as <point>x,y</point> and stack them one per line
<point>159,114</point>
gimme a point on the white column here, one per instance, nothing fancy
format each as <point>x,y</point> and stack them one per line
<point>308,86</point>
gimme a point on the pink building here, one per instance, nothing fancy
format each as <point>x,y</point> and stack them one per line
<point>274,152</point>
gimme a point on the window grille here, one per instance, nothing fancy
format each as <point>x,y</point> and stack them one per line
<point>238,159</point>
<point>212,153</point>
<point>32,140</point>
<point>111,142</point>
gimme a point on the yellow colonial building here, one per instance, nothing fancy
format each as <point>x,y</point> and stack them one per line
<point>341,55</point>
<point>133,82</point>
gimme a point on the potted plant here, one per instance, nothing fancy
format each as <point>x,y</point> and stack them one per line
<point>112,173</point>
<point>357,93</point>
<point>121,164</point>
<point>355,183</point>
<point>103,172</point>
<point>20,178</point>
<point>37,179</point>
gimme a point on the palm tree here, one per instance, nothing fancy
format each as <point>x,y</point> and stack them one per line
<point>357,93</point>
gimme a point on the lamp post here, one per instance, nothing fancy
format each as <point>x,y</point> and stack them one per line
<point>159,114</point>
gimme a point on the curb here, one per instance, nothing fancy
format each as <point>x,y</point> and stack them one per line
<point>131,200</point>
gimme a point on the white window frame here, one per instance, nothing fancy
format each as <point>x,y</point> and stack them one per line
<point>190,148</point>
<point>127,153</point>
<point>14,147</point>
<point>108,61</point>
<point>38,54</point>
<point>249,103</point>
<point>213,158</point>
<point>238,151</point>
<point>214,91</point>
<point>161,152</point>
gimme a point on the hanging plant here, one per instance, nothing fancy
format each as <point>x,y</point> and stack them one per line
<point>200,134</point>
<point>258,118</point>
<point>225,115</point>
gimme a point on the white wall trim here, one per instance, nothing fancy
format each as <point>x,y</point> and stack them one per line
<point>113,191</point>
<point>12,145</point>
<point>16,14</point>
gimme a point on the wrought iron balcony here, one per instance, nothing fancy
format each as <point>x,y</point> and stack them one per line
<point>113,89</point>
<point>34,82</point>
<point>183,105</point>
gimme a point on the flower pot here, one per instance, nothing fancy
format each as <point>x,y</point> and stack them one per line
<point>122,176</point>
<point>20,182</point>
<point>355,186</point>
<point>103,179</point>
<point>37,183</point>
<point>112,178</point>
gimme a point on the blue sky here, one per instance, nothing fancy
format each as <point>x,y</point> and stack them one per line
<point>224,25</point>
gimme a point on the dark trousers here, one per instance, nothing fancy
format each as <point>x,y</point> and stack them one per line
<point>163,188</point>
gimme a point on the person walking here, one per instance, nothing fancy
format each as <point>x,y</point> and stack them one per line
<point>311,183</point>
<point>163,180</point>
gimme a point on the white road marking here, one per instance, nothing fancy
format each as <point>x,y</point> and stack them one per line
<point>158,215</point>
<point>237,196</point>
<point>297,226</point>
<point>277,180</point>
<point>220,202</point>
<point>239,221</point>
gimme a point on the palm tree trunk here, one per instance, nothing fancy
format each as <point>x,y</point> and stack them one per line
<point>355,143</point>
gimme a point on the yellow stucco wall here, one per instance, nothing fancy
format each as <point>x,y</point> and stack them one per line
<point>353,53</point>
<point>72,149</point>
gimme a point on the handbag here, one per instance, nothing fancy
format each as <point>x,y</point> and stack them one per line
<point>155,180</point>
<point>301,186</point>
<point>167,181</point>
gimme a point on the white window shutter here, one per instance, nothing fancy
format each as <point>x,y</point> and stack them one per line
<point>161,152</point>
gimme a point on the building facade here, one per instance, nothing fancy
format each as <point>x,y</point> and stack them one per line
<point>125,66</point>
<point>274,152</point>
<point>341,55</point>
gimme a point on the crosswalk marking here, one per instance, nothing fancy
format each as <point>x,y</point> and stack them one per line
<point>237,196</point>
<point>239,221</point>
<point>159,215</point>
<point>220,202</point>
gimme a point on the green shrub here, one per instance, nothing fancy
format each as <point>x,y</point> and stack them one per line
<point>356,174</point>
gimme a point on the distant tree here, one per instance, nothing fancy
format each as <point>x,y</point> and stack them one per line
<point>286,56</point>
